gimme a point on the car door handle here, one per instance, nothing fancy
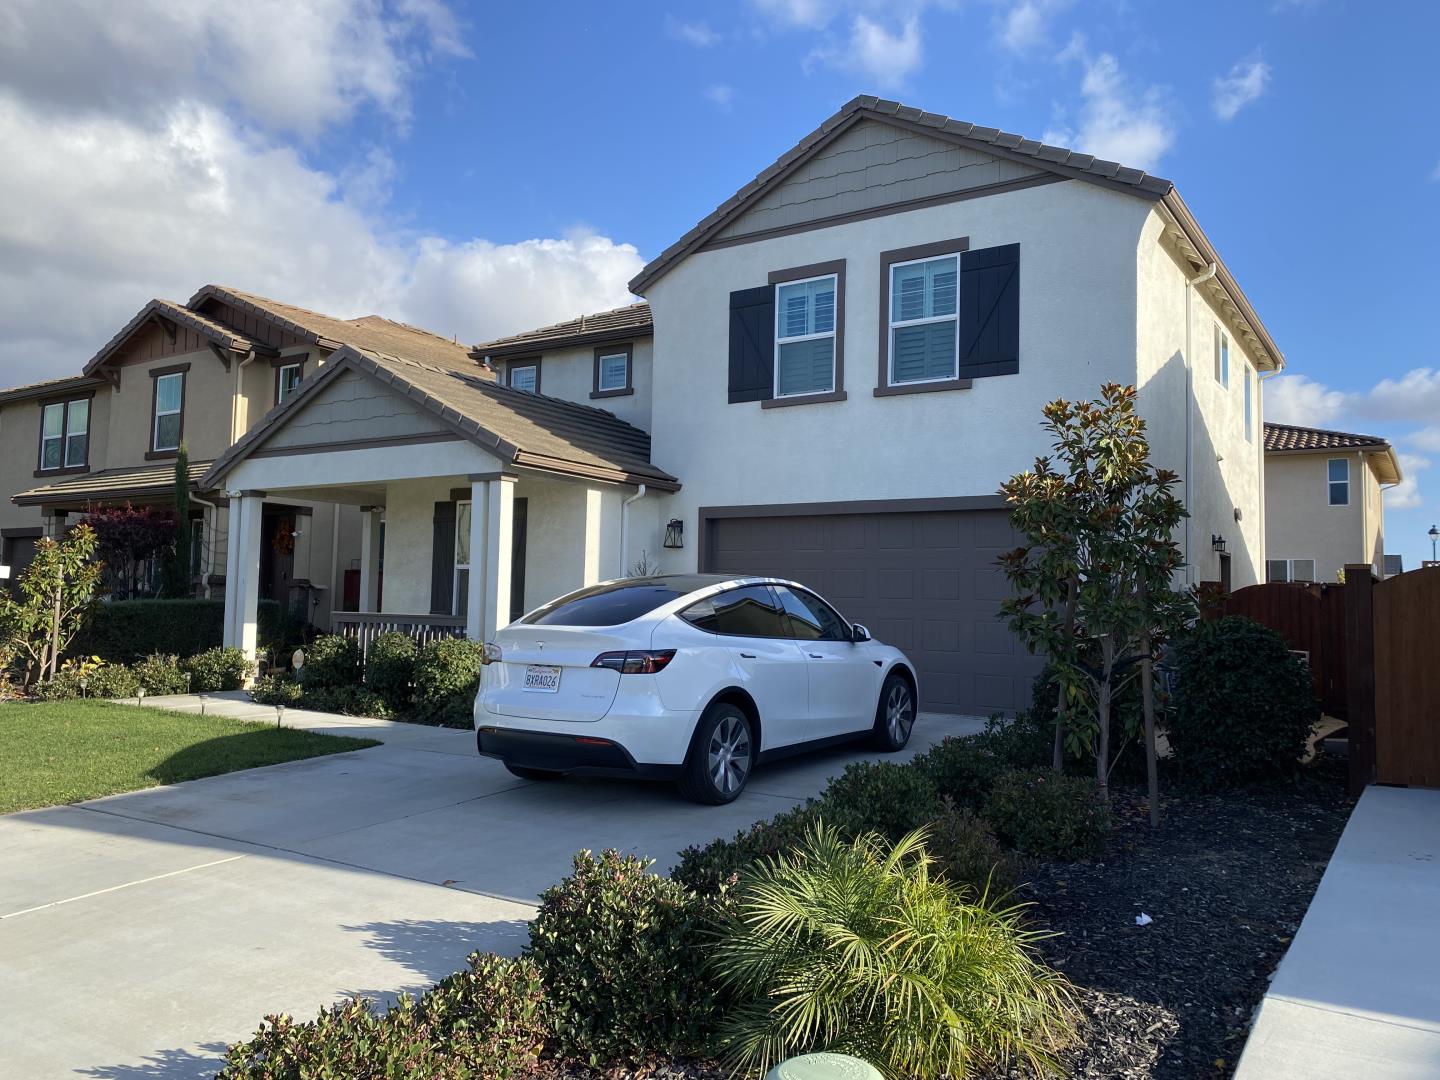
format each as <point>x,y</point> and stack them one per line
<point>747,656</point>
<point>816,656</point>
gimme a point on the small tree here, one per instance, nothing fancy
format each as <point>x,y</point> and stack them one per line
<point>177,577</point>
<point>128,538</point>
<point>1093,582</point>
<point>53,597</point>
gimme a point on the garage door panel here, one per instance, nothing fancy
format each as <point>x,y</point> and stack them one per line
<point>924,582</point>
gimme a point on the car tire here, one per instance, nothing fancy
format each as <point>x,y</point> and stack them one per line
<point>895,714</point>
<point>526,773</point>
<point>722,756</point>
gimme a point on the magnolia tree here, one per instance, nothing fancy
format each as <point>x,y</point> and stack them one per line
<point>1093,581</point>
<point>51,601</point>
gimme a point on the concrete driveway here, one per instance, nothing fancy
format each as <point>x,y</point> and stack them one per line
<point>140,933</point>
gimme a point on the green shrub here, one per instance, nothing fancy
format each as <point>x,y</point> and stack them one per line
<point>1045,813</point>
<point>879,796</point>
<point>124,631</point>
<point>962,769</point>
<point>447,676</point>
<point>349,700</point>
<point>483,1022</point>
<point>1244,707</point>
<point>1025,741</point>
<point>159,673</point>
<point>218,669</point>
<point>856,948</point>
<point>620,951</point>
<point>707,869</point>
<point>276,690</point>
<point>390,668</point>
<point>967,855</point>
<point>89,679</point>
<point>331,661</point>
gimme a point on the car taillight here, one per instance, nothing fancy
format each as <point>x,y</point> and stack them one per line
<point>491,653</point>
<point>636,661</point>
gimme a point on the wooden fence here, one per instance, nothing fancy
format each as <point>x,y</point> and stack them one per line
<point>366,626</point>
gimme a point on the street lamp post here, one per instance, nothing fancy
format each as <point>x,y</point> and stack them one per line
<point>1434,536</point>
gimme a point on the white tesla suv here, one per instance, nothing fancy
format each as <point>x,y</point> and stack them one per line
<point>692,677</point>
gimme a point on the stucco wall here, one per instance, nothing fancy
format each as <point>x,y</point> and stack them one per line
<point>570,374</point>
<point>1228,468</point>
<point>1374,521</point>
<point>409,541</point>
<point>1077,330</point>
<point>1299,521</point>
<point>572,536</point>
<point>209,389</point>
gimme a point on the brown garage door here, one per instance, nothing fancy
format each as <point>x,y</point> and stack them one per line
<point>924,581</point>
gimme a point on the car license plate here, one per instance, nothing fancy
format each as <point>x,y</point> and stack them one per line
<point>542,678</point>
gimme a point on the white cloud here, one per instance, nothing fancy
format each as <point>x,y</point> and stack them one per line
<point>1427,438</point>
<point>1415,396</point>
<point>1243,85</point>
<point>698,34</point>
<point>721,95</point>
<point>106,212</point>
<point>812,14</point>
<point>1298,399</point>
<point>887,57</point>
<point>1025,25</point>
<point>297,67</point>
<point>1406,494</point>
<point>1117,121</point>
<point>1435,172</point>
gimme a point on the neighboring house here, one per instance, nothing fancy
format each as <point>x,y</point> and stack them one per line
<point>833,374</point>
<point>1323,502</point>
<point>203,372</point>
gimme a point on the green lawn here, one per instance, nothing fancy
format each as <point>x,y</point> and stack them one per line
<point>66,751</point>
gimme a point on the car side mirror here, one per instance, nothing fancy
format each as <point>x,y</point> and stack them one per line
<point>858,633</point>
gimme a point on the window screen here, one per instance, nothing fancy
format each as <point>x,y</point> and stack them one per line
<point>805,337</point>
<point>614,372</point>
<point>923,321</point>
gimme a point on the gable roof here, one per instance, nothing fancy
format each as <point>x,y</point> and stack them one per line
<point>1057,160</point>
<point>212,330</point>
<point>524,429</point>
<point>1293,439</point>
<point>603,327</point>
<point>139,482</point>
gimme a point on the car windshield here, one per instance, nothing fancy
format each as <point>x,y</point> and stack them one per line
<point>616,602</point>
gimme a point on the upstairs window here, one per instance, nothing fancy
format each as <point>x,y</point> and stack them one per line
<point>1222,357</point>
<point>612,371</point>
<point>1290,569</point>
<point>1338,474</point>
<point>805,336</point>
<point>524,376</point>
<point>287,378</point>
<point>924,325</point>
<point>169,412</point>
<point>65,435</point>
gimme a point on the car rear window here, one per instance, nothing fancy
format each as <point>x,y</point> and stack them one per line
<point>605,605</point>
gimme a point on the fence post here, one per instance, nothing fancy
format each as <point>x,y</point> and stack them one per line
<point>1360,656</point>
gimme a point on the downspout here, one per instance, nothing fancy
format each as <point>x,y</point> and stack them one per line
<point>209,566</point>
<point>625,529</point>
<point>1190,285</point>
<point>1262,571</point>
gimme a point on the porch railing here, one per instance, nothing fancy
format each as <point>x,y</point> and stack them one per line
<point>365,626</point>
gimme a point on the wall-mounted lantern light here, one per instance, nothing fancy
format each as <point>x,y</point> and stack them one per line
<point>1217,543</point>
<point>674,533</point>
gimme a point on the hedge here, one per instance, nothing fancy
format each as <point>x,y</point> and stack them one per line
<point>126,631</point>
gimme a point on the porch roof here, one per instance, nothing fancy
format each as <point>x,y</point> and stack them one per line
<point>523,429</point>
<point>149,481</point>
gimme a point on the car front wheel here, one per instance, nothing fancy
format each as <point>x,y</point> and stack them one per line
<point>721,756</point>
<point>895,715</point>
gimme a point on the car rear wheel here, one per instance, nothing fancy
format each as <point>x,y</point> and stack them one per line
<point>721,756</point>
<point>531,774</point>
<point>895,715</point>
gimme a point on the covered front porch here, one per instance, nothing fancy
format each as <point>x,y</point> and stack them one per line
<point>462,529</point>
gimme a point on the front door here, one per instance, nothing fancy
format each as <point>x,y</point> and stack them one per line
<point>277,555</point>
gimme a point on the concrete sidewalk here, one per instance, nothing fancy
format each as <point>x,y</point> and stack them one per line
<point>1358,994</point>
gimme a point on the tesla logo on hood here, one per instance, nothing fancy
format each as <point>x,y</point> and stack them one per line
<point>540,644</point>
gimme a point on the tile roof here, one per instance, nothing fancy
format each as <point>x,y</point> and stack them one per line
<point>521,428</point>
<point>366,332</point>
<point>111,484</point>
<point>992,140</point>
<point>1282,437</point>
<point>47,387</point>
<point>632,320</point>
<point>227,337</point>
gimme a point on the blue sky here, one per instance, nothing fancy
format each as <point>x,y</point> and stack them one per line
<point>480,168</point>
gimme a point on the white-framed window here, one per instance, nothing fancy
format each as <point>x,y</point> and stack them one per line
<point>1222,357</point>
<point>525,377</point>
<point>924,321</point>
<point>461,601</point>
<point>65,434</point>
<point>286,379</point>
<point>169,401</point>
<point>612,371</point>
<point>1249,407</point>
<point>805,336</point>
<point>1337,474</point>
<point>1289,569</point>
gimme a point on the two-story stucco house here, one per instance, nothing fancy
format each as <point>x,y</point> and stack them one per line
<point>1323,502</point>
<point>831,376</point>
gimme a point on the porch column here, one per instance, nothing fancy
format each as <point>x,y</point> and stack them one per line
<point>370,558</point>
<point>242,580</point>
<point>492,516</point>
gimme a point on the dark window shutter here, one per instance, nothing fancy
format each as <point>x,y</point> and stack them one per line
<point>990,312</point>
<point>752,344</point>
<point>442,560</point>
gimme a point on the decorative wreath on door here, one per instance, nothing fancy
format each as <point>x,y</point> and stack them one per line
<point>284,542</point>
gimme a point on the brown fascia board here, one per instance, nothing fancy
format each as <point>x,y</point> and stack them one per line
<point>54,387</point>
<point>570,341</point>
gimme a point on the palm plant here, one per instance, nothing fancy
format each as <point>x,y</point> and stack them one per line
<point>853,947</point>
